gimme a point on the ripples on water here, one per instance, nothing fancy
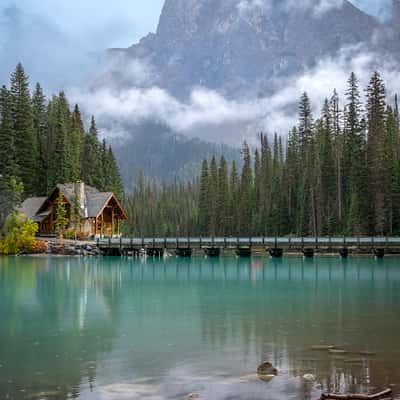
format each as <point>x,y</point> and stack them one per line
<point>115,329</point>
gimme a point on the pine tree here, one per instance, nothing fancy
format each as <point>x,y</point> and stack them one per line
<point>204,200</point>
<point>234,200</point>
<point>39,110</point>
<point>111,178</point>
<point>246,194</point>
<point>223,198</point>
<point>25,139</point>
<point>91,163</point>
<point>293,170</point>
<point>376,107</point>
<point>304,221</point>
<point>212,198</point>
<point>9,193</point>
<point>354,163</point>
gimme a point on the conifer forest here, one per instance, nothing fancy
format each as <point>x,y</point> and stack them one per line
<point>43,142</point>
<point>335,174</point>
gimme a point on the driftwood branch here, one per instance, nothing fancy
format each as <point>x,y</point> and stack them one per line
<point>377,396</point>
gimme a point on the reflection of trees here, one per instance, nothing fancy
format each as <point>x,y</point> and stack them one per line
<point>63,316</point>
<point>279,311</point>
<point>47,342</point>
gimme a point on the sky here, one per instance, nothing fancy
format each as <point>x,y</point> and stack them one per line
<point>68,36</point>
<point>60,43</point>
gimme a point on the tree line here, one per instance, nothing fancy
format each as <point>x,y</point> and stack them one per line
<point>43,142</point>
<point>338,173</point>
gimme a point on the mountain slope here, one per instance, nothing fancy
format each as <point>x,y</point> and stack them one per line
<point>241,47</point>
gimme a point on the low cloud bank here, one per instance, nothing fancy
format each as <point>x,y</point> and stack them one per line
<point>209,115</point>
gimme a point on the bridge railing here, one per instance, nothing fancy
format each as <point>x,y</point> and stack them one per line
<point>245,241</point>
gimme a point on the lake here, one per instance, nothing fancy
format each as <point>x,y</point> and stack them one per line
<point>115,329</point>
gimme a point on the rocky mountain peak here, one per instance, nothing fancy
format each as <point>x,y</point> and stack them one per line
<point>240,46</point>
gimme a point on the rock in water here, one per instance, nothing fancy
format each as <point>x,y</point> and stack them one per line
<point>266,368</point>
<point>337,351</point>
<point>266,378</point>
<point>193,396</point>
<point>322,347</point>
<point>309,377</point>
<point>266,371</point>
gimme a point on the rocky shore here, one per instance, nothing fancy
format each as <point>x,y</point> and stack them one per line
<point>71,248</point>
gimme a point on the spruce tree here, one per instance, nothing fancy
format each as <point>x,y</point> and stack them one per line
<point>203,213</point>
<point>223,198</point>
<point>376,107</point>
<point>91,162</point>
<point>213,198</point>
<point>9,194</point>
<point>39,109</point>
<point>246,194</point>
<point>234,200</point>
<point>25,139</point>
<point>354,163</point>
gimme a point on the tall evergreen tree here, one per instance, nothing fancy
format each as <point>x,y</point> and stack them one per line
<point>213,198</point>
<point>25,139</point>
<point>223,198</point>
<point>39,109</point>
<point>246,194</point>
<point>9,194</point>
<point>91,164</point>
<point>204,200</point>
<point>376,107</point>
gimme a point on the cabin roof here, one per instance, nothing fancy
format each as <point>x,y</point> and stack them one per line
<point>94,200</point>
<point>31,206</point>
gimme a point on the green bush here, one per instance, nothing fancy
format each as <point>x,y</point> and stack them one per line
<point>19,235</point>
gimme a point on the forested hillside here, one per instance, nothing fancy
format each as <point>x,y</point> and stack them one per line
<point>337,174</point>
<point>43,142</point>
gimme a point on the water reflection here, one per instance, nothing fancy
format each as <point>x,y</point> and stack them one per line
<point>122,328</point>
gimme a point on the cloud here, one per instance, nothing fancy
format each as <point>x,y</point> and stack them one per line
<point>318,7</point>
<point>211,116</point>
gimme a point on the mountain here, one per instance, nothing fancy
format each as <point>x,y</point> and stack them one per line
<point>160,153</point>
<point>242,47</point>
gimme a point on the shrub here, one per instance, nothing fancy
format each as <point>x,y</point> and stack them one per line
<point>82,236</point>
<point>39,247</point>
<point>19,233</point>
<point>70,235</point>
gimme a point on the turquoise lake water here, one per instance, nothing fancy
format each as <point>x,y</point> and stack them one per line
<point>116,329</point>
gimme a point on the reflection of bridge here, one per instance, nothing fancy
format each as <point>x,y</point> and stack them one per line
<point>276,247</point>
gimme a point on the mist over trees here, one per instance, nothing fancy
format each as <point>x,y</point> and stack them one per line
<point>43,142</point>
<point>335,174</point>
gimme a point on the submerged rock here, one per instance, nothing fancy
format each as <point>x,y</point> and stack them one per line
<point>266,378</point>
<point>309,377</point>
<point>266,368</point>
<point>322,347</point>
<point>366,353</point>
<point>337,351</point>
<point>193,396</point>
<point>356,361</point>
<point>266,372</point>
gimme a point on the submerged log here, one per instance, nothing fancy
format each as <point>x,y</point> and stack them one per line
<point>377,396</point>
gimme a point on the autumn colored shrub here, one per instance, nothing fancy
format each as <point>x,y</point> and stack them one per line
<point>19,232</point>
<point>82,236</point>
<point>39,247</point>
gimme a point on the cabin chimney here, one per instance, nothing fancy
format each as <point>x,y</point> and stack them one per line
<point>80,193</point>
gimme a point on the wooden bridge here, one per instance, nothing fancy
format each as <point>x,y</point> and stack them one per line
<point>245,247</point>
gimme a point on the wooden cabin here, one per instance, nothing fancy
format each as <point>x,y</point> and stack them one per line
<point>101,213</point>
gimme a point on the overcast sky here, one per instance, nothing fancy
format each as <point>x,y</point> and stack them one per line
<point>116,22</point>
<point>58,41</point>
